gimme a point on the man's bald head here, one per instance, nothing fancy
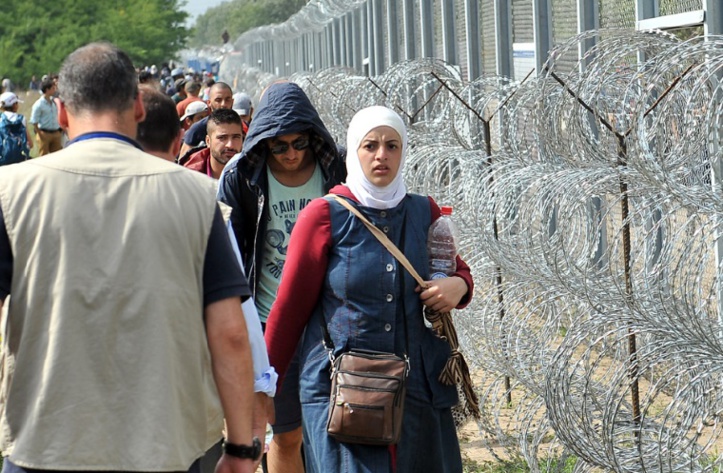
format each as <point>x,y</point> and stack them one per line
<point>220,96</point>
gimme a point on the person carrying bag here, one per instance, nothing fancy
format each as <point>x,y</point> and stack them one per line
<point>341,285</point>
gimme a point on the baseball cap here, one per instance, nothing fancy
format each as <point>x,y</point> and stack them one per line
<point>177,72</point>
<point>242,103</point>
<point>194,108</point>
<point>9,99</point>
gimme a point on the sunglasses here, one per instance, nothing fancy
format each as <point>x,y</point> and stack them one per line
<point>298,144</point>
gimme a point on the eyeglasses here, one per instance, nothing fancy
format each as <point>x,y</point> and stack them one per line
<point>298,144</point>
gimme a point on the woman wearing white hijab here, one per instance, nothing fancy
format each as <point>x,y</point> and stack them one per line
<point>338,275</point>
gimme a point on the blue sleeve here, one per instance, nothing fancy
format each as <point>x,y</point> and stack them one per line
<point>6,260</point>
<point>222,276</point>
<point>196,134</point>
<point>35,113</point>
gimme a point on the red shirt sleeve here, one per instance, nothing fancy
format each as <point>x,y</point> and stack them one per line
<point>463,270</point>
<point>301,284</point>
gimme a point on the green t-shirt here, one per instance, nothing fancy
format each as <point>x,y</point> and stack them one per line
<point>285,203</point>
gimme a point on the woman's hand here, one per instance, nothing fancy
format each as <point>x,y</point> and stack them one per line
<point>443,294</point>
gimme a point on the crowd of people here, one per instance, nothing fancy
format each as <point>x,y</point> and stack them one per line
<point>160,319</point>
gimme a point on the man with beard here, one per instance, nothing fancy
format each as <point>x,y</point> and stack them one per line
<point>224,139</point>
<point>220,96</point>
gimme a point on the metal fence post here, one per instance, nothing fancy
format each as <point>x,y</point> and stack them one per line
<point>328,29</point>
<point>472,34</point>
<point>426,20</point>
<point>449,36</point>
<point>714,26</point>
<point>335,41</point>
<point>503,38</point>
<point>588,20</point>
<point>645,9</point>
<point>369,38</point>
<point>409,35</point>
<point>348,39</point>
<point>392,32</point>
<point>377,56</point>
<point>357,41</point>
<point>542,19</point>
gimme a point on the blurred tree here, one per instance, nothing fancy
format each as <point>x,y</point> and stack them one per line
<point>238,16</point>
<point>41,34</point>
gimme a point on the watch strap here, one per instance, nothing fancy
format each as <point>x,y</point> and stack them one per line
<point>252,451</point>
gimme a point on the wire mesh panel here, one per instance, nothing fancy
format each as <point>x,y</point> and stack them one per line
<point>438,36</point>
<point>487,22</point>
<point>616,14</point>
<point>564,27</point>
<point>671,7</point>
<point>522,28</point>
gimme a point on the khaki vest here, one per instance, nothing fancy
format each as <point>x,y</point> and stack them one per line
<point>105,360</point>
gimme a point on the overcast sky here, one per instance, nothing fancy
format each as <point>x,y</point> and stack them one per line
<point>197,7</point>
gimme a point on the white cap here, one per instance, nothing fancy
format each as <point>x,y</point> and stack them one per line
<point>193,108</point>
<point>9,99</point>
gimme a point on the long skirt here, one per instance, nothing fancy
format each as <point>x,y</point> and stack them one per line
<point>428,443</point>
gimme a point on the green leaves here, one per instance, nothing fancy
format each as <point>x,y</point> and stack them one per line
<point>238,16</point>
<point>42,34</point>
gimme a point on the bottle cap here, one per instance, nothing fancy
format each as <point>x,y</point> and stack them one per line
<point>446,210</point>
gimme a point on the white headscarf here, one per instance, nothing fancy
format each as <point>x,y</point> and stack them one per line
<point>368,194</point>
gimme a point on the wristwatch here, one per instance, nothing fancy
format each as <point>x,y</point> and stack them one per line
<point>252,452</point>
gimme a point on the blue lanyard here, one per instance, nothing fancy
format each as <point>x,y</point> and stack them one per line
<point>104,134</point>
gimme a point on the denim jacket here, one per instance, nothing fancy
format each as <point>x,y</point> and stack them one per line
<point>364,306</point>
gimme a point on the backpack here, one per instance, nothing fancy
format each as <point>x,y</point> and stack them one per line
<point>13,140</point>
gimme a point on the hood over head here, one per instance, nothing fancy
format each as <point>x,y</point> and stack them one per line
<point>284,109</point>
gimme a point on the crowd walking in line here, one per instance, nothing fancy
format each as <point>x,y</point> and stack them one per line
<point>179,271</point>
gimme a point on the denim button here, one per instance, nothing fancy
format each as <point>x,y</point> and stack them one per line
<point>387,327</point>
<point>385,229</point>
<point>390,267</point>
<point>383,214</point>
<point>390,297</point>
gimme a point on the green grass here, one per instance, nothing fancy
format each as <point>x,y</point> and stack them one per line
<point>517,465</point>
<point>509,466</point>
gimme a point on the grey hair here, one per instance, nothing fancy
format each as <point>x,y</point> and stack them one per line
<point>98,77</point>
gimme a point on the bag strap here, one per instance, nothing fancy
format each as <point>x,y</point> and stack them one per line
<point>384,240</point>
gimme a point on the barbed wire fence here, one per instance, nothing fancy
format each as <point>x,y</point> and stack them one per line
<point>589,205</point>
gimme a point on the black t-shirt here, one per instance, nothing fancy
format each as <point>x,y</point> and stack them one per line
<point>222,276</point>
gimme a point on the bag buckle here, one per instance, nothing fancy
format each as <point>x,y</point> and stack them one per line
<point>330,355</point>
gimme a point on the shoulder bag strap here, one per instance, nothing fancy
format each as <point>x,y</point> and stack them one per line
<point>384,240</point>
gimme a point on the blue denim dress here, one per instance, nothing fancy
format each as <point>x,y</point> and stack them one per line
<point>364,307</point>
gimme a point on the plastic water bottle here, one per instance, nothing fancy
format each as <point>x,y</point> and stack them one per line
<point>441,246</point>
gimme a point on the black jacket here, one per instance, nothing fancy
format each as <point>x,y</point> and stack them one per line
<point>284,109</point>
